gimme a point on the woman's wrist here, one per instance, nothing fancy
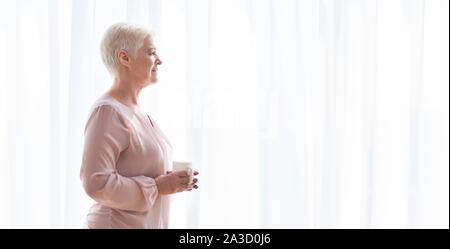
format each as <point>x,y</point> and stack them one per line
<point>158,184</point>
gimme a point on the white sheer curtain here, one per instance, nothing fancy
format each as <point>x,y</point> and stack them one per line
<point>297,114</point>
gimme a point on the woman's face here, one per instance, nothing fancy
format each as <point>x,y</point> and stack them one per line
<point>144,65</point>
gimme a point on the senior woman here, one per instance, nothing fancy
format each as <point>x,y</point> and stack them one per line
<point>126,157</point>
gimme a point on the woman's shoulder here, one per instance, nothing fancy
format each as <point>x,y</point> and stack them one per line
<point>108,104</point>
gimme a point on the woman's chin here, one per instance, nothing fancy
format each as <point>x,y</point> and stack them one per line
<point>153,80</point>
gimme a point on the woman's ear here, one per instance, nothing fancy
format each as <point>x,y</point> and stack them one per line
<point>124,58</point>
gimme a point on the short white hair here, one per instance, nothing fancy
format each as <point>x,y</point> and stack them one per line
<point>126,36</point>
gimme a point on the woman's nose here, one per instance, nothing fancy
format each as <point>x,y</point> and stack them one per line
<point>158,62</point>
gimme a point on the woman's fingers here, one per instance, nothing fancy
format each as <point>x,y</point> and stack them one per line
<point>192,185</point>
<point>195,180</point>
<point>190,188</point>
<point>183,173</point>
<point>184,177</point>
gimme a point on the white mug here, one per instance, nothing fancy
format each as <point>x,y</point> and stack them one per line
<point>181,166</point>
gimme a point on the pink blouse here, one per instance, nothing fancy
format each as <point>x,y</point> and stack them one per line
<point>124,151</point>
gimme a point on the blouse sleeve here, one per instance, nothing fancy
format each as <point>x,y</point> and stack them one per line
<point>106,135</point>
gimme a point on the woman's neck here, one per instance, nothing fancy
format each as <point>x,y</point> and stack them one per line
<point>125,92</point>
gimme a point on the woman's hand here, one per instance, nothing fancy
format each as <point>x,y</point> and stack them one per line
<point>175,182</point>
<point>193,184</point>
